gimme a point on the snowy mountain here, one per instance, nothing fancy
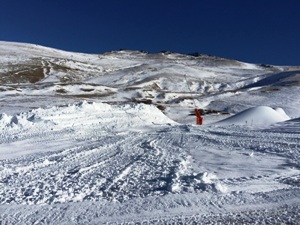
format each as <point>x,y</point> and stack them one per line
<point>110,138</point>
<point>31,70</point>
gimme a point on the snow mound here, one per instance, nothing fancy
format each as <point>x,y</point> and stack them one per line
<point>256,116</point>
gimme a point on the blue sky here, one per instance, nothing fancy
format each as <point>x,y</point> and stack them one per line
<point>258,31</point>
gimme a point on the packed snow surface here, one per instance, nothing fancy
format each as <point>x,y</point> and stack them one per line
<point>110,139</point>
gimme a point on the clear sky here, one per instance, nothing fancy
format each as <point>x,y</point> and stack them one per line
<point>258,31</point>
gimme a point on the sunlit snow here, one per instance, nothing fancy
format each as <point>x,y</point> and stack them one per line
<point>111,139</point>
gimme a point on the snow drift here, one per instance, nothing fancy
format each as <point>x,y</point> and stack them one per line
<point>256,116</point>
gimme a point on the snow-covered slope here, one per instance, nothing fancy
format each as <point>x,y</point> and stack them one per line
<point>110,139</point>
<point>30,71</point>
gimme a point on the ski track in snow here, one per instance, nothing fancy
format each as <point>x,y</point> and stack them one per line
<point>186,169</point>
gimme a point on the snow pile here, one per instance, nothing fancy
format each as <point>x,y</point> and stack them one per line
<point>20,120</point>
<point>4,119</point>
<point>211,178</point>
<point>110,118</point>
<point>256,116</point>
